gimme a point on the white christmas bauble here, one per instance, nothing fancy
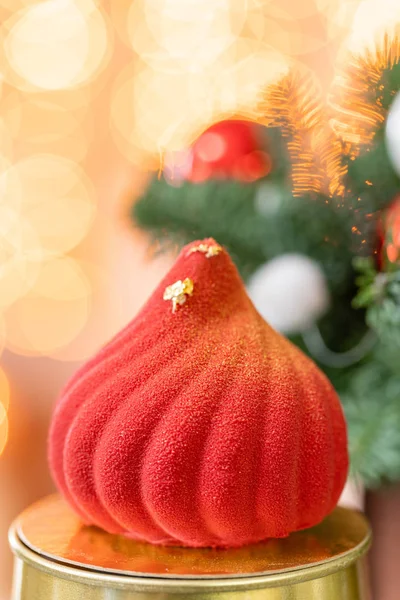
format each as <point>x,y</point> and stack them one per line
<point>290,292</point>
<point>268,199</point>
<point>393,134</point>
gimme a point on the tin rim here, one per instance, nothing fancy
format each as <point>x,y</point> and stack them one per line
<point>151,583</point>
<point>50,529</point>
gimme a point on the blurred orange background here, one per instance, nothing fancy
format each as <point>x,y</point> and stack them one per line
<point>92,92</point>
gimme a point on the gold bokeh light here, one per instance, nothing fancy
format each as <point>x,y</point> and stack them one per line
<point>55,197</point>
<point>46,208</point>
<point>3,428</point>
<point>53,312</point>
<point>297,28</point>
<point>4,390</point>
<point>50,123</point>
<point>56,44</point>
<point>197,62</point>
<point>186,35</point>
<point>20,255</point>
<point>6,144</point>
<point>155,112</point>
<point>372,19</point>
<point>200,61</point>
<point>4,402</point>
<point>105,318</point>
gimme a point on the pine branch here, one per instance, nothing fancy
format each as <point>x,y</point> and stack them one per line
<point>294,105</point>
<point>362,94</point>
<point>359,168</point>
<point>372,407</point>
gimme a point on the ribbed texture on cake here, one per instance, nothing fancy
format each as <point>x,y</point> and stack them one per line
<point>202,427</point>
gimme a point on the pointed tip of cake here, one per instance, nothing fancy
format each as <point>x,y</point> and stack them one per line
<point>204,279</point>
<point>208,246</point>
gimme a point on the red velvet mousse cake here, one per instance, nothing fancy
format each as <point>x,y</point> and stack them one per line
<point>198,424</point>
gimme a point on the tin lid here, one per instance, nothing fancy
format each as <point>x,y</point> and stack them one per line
<point>49,535</point>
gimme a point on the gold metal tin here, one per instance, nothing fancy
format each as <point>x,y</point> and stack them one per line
<point>57,558</point>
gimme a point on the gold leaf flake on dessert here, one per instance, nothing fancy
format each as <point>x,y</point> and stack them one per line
<point>178,292</point>
<point>208,249</point>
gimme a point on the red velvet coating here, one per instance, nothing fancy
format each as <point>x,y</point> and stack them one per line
<point>202,427</point>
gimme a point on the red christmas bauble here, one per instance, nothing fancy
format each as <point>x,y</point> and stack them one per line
<point>389,236</point>
<point>198,424</point>
<point>229,150</point>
